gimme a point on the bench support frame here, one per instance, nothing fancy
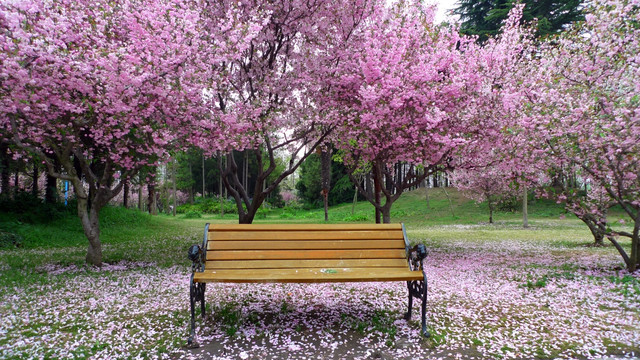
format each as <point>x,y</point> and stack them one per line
<point>198,256</point>
<point>418,288</point>
<point>196,293</point>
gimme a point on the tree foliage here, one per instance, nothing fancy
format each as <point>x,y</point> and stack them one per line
<point>485,18</point>
<point>104,89</point>
<point>267,100</point>
<point>584,109</point>
<point>309,184</point>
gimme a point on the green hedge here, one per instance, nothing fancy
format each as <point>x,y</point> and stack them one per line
<point>208,206</point>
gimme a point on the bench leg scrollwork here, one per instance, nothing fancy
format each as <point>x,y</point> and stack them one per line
<point>196,291</point>
<point>418,288</point>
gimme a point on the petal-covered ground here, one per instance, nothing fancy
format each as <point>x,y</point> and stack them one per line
<point>488,299</point>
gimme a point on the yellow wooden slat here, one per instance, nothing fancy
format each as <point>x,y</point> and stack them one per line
<point>305,254</point>
<point>302,227</point>
<point>305,235</point>
<point>305,245</point>
<point>315,275</point>
<point>301,264</point>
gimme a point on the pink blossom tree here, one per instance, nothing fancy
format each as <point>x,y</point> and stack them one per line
<point>395,96</point>
<point>268,99</point>
<point>584,109</point>
<point>106,88</point>
<point>502,65</point>
<point>590,205</point>
<point>489,183</point>
<point>417,98</point>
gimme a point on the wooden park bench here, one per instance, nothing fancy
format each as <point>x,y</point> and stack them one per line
<point>306,253</point>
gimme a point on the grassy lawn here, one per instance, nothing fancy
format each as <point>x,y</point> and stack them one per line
<point>496,291</point>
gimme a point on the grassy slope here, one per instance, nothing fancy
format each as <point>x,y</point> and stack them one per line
<point>412,209</point>
<point>134,236</point>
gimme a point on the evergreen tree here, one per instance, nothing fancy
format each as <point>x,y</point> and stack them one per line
<point>309,184</point>
<point>485,17</point>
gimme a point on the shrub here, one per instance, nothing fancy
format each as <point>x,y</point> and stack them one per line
<point>261,213</point>
<point>192,215</point>
<point>286,215</point>
<point>10,240</point>
<point>356,217</point>
<point>185,208</point>
<point>117,215</point>
<point>208,206</point>
<point>31,209</point>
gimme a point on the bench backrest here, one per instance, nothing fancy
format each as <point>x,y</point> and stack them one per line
<point>258,246</point>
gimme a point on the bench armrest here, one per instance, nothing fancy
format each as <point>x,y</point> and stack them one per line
<point>198,254</point>
<point>416,257</point>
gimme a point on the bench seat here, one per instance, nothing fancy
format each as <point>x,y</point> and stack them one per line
<point>306,253</point>
<point>308,275</point>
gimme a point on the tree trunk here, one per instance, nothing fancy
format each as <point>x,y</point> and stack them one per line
<point>392,192</point>
<point>490,214</point>
<point>16,177</point>
<point>192,186</point>
<point>153,208</point>
<point>140,196</point>
<point>34,188</point>
<point>598,239</point>
<point>91,226</point>
<point>635,254</point>
<point>386,213</point>
<point>377,188</point>
<point>525,214</point>
<point>263,186</point>
<point>325,166</point>
<point>175,191</point>
<point>355,200</point>
<point>247,217</point>
<point>368,186</point>
<point>450,203</point>
<point>220,163</point>
<point>51,190</point>
<point>202,175</point>
<point>426,192</point>
<point>491,203</point>
<point>634,259</point>
<point>4,169</point>
<point>245,171</point>
<point>125,194</point>
<point>621,251</point>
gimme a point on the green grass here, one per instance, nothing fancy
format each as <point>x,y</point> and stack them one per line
<point>230,316</point>
<point>412,209</point>
<point>55,236</point>
<point>381,322</point>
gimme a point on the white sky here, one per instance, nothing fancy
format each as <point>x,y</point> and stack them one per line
<point>443,8</point>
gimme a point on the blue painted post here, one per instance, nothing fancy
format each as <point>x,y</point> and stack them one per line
<point>66,192</point>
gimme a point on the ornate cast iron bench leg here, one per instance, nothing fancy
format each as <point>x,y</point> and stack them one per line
<point>418,288</point>
<point>196,291</point>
